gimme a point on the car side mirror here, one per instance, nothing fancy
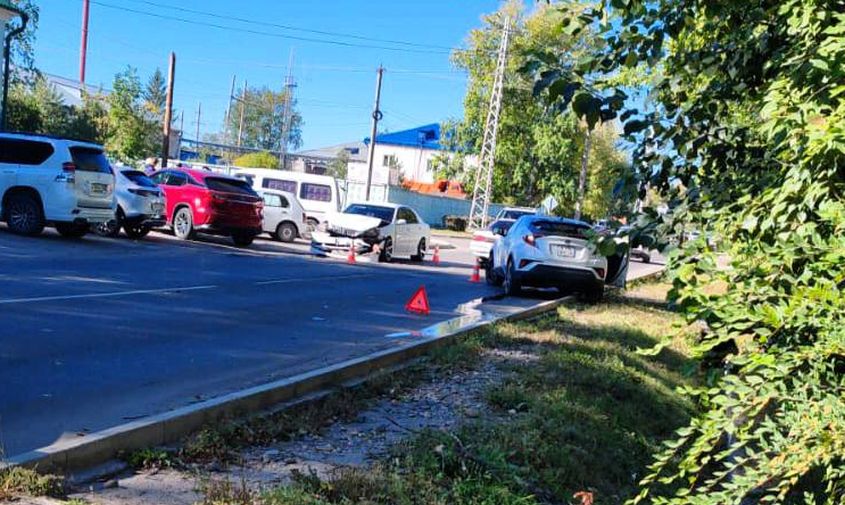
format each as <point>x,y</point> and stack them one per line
<point>402,221</point>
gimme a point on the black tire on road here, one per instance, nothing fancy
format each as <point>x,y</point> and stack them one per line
<point>286,232</point>
<point>136,231</point>
<point>183,224</point>
<point>386,254</point>
<point>23,214</point>
<point>420,252</point>
<point>490,275</point>
<point>112,227</point>
<point>72,230</point>
<point>511,284</point>
<point>593,295</point>
<point>243,239</point>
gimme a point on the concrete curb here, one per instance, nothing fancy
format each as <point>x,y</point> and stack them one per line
<point>69,456</point>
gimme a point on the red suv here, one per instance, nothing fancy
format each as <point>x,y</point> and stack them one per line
<point>203,201</point>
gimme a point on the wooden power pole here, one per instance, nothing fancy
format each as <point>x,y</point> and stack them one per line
<point>83,44</point>
<point>168,111</point>
<point>243,107</point>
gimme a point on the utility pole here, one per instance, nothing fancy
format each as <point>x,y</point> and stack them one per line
<point>229,110</point>
<point>243,106</point>
<point>288,117</point>
<point>377,115</point>
<point>478,214</point>
<point>199,116</point>
<point>168,111</point>
<point>582,179</point>
<point>83,45</point>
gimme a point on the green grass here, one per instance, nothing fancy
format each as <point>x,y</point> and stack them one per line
<point>586,415</point>
<point>16,482</point>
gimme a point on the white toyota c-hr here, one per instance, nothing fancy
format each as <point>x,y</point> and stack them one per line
<point>551,252</point>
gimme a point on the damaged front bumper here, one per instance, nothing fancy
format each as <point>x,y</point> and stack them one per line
<point>324,243</point>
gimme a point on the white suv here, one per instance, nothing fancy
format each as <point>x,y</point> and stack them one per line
<point>48,180</point>
<point>553,252</point>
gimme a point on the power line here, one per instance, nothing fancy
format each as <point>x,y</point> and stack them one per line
<point>289,27</point>
<point>268,34</point>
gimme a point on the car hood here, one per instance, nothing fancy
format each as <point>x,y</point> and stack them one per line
<point>351,225</point>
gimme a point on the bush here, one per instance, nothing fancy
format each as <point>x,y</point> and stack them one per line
<point>257,160</point>
<point>455,223</point>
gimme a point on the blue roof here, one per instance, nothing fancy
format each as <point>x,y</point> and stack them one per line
<point>425,137</point>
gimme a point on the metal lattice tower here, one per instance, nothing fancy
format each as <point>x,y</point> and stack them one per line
<point>484,175</point>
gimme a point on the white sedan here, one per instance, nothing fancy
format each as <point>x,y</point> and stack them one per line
<point>388,229</point>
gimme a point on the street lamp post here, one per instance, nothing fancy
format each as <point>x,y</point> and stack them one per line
<point>7,13</point>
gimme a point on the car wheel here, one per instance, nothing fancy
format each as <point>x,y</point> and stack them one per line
<point>420,252</point>
<point>183,224</point>
<point>593,295</point>
<point>286,232</point>
<point>243,239</point>
<point>111,228</point>
<point>490,274</point>
<point>24,215</point>
<point>71,230</point>
<point>511,283</point>
<point>386,254</point>
<point>136,231</point>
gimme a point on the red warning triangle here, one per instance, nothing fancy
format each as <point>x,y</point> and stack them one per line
<point>419,302</point>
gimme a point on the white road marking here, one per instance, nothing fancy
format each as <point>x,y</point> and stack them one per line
<point>114,294</point>
<point>103,295</point>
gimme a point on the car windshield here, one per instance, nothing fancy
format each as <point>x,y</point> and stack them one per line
<point>139,178</point>
<point>515,214</point>
<point>383,213</point>
<point>545,227</point>
<point>229,185</point>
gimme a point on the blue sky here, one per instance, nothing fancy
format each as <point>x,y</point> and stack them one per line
<point>336,83</point>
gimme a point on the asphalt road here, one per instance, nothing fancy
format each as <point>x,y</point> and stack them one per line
<point>97,332</point>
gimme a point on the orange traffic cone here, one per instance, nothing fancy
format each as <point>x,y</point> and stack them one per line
<point>436,258</point>
<point>476,272</point>
<point>351,257</point>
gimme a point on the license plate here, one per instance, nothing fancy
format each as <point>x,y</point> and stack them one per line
<point>97,187</point>
<point>562,251</point>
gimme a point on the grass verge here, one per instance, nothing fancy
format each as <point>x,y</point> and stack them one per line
<point>583,415</point>
<point>16,482</point>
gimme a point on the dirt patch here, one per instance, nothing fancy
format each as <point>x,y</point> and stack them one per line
<point>437,405</point>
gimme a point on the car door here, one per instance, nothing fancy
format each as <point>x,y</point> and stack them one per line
<point>161,178</point>
<point>405,232</point>
<point>273,211</point>
<point>501,248</point>
<point>617,269</point>
<point>8,165</point>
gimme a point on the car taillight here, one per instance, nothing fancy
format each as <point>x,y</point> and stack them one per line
<point>482,238</point>
<point>68,167</point>
<point>68,172</point>
<point>530,240</point>
<point>217,199</point>
<point>600,272</point>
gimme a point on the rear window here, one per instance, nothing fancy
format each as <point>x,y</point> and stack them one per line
<point>317,192</point>
<point>280,184</point>
<point>139,178</point>
<point>24,152</point>
<point>559,229</point>
<point>89,159</point>
<point>229,186</point>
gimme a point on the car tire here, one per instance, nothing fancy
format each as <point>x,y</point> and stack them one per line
<point>511,283</point>
<point>386,253</point>
<point>183,224</point>
<point>490,274</point>
<point>243,239</point>
<point>71,230</point>
<point>286,232</point>
<point>593,295</point>
<point>23,215</point>
<point>420,252</point>
<point>111,228</point>
<point>136,231</point>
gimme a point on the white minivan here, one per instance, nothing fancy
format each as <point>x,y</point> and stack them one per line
<point>318,194</point>
<point>53,181</point>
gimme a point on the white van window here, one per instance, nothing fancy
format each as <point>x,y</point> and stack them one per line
<point>24,152</point>
<point>279,184</point>
<point>316,192</point>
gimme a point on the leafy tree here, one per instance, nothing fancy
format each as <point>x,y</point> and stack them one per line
<point>538,150</point>
<point>264,120</point>
<point>746,142</point>
<point>23,47</point>
<point>257,160</point>
<point>131,133</point>
<point>339,166</point>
